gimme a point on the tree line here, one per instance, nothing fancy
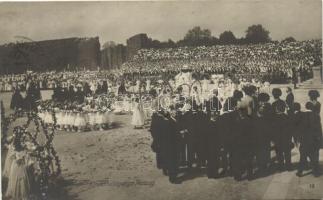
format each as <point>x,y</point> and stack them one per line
<point>197,36</point>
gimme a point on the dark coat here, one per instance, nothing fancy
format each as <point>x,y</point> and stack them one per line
<point>310,133</point>
<point>282,131</point>
<point>17,100</point>
<point>290,102</point>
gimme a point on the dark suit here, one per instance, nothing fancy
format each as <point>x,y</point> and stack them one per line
<point>170,147</point>
<point>213,148</point>
<point>156,133</point>
<point>17,101</point>
<point>283,140</point>
<point>290,103</point>
<point>309,136</point>
<point>262,131</point>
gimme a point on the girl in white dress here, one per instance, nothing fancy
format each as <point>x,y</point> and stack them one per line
<point>91,117</point>
<point>108,115</point>
<point>8,161</point>
<point>20,179</point>
<point>80,122</point>
<point>71,120</point>
<point>100,120</point>
<point>138,119</point>
<point>60,118</point>
<point>64,120</point>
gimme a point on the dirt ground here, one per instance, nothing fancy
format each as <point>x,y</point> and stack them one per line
<point>118,164</point>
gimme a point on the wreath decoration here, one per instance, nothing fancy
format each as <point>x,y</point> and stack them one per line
<point>45,155</point>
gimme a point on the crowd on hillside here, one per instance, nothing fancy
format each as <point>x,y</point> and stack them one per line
<point>271,62</point>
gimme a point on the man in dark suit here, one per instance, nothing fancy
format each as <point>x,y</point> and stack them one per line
<point>276,92</point>
<point>243,145</point>
<point>262,128</point>
<point>289,101</point>
<point>156,133</point>
<point>17,101</point>
<point>282,137</point>
<point>309,137</point>
<point>213,147</point>
<point>170,146</point>
<point>202,122</point>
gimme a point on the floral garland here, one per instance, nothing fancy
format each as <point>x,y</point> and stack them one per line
<point>5,123</point>
<point>44,154</point>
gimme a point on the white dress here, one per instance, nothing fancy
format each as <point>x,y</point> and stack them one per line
<point>65,118</point>
<point>138,118</point>
<point>79,120</point>
<point>108,116</point>
<point>8,161</point>
<point>60,118</point>
<point>91,117</point>
<point>19,184</point>
<point>100,118</point>
<point>71,119</point>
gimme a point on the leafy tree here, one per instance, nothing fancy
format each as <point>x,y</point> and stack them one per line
<point>227,37</point>
<point>288,39</point>
<point>196,37</point>
<point>197,33</point>
<point>171,43</point>
<point>257,34</point>
<point>241,41</point>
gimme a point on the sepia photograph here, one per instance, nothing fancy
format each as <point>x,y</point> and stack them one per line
<point>156,100</point>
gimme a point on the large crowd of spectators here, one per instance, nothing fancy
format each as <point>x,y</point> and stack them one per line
<point>273,62</point>
<point>270,62</point>
<point>50,80</point>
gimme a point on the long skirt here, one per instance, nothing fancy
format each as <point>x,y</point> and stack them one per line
<point>8,162</point>
<point>138,117</point>
<point>19,185</point>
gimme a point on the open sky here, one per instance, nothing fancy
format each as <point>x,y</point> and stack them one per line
<point>117,21</point>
